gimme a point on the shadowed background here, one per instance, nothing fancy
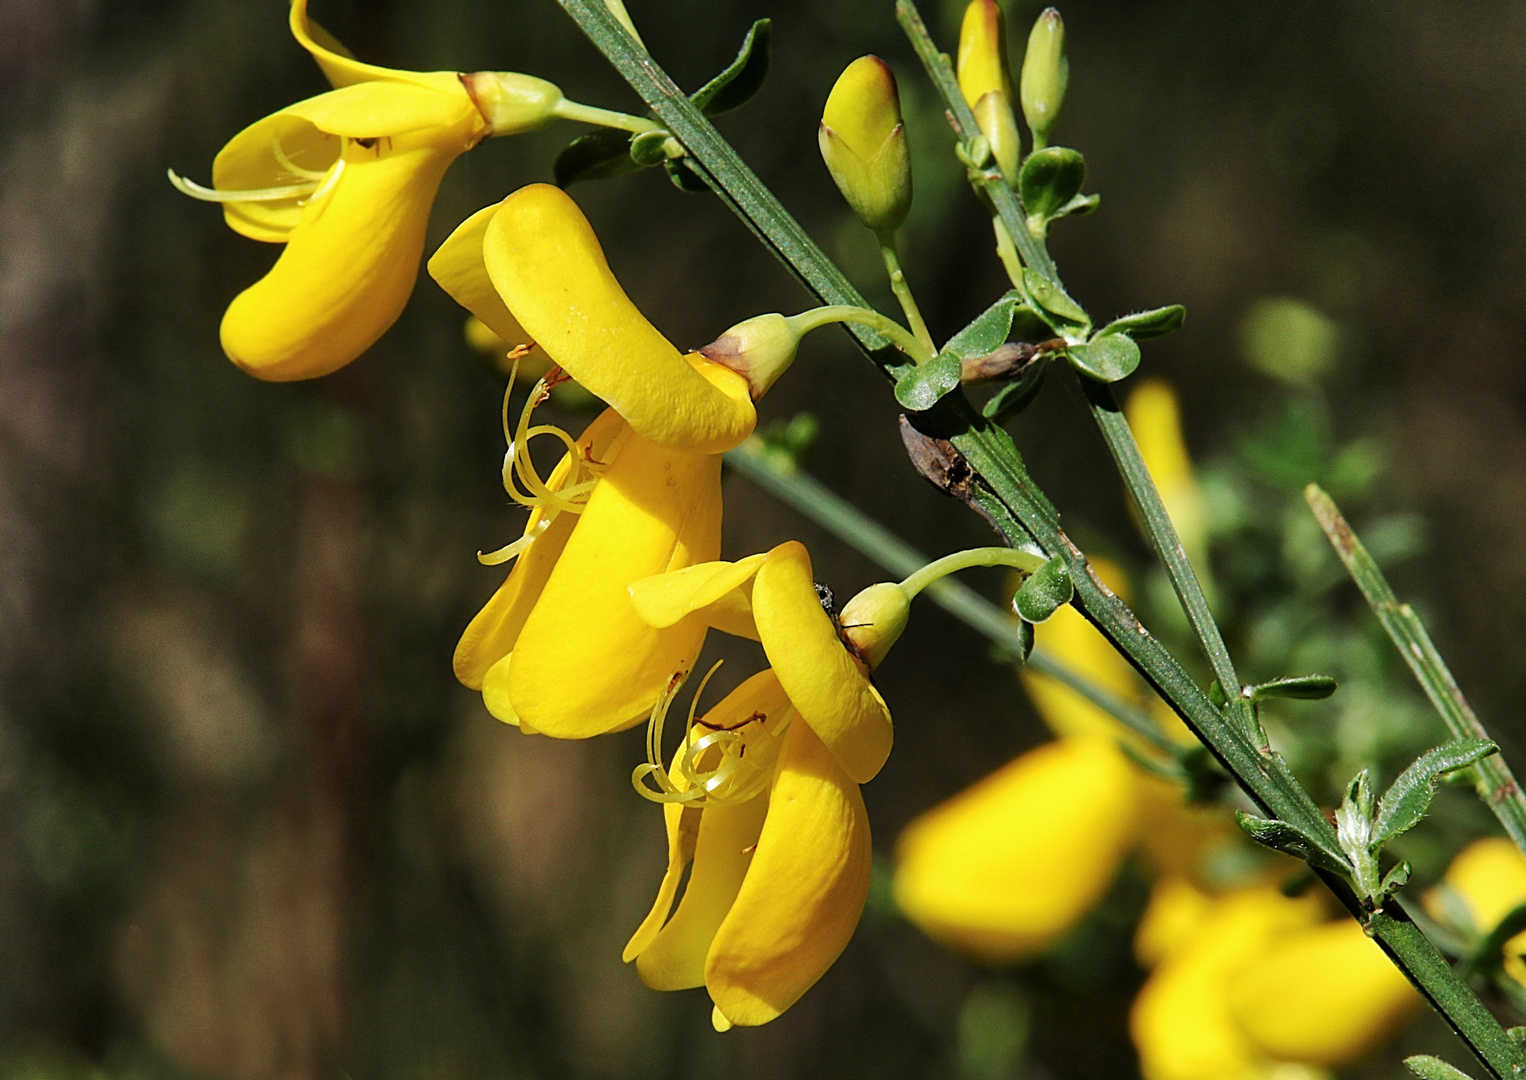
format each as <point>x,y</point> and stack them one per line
<point>250,826</point>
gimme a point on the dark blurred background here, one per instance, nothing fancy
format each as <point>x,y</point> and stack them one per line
<point>250,826</point>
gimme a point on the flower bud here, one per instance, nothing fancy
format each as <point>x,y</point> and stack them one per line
<point>986,82</point>
<point>512,102</point>
<point>1045,73</point>
<point>863,143</point>
<point>760,350</point>
<point>873,620</point>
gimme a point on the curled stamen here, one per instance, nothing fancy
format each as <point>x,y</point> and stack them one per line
<point>291,166</point>
<point>518,547</point>
<point>270,194</point>
<point>714,769</point>
<point>335,171</point>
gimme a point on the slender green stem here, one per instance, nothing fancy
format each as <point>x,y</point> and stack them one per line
<point>592,114</point>
<point>818,317</point>
<point>1008,204</point>
<point>902,289</point>
<point>939,569</point>
<point>1497,785</point>
<point>999,485</point>
<point>1006,252</point>
<point>845,521</point>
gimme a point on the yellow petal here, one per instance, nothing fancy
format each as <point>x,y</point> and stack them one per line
<point>825,682</point>
<point>492,633</point>
<point>863,109</point>
<point>585,663</point>
<point>983,52</point>
<point>348,267</point>
<point>1153,414</point>
<point>1489,876</point>
<point>341,68</point>
<point>1323,996</point>
<point>1003,870</point>
<point>1181,1022</point>
<point>457,267</point>
<point>547,265</point>
<point>804,890</point>
<point>1171,920</point>
<point>249,162</point>
<point>495,692</point>
<point>664,599</point>
<point>373,110</point>
<point>683,830</point>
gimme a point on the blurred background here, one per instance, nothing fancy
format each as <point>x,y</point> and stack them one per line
<point>251,826</point>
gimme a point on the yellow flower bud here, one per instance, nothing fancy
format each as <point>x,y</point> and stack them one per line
<point>863,143</point>
<point>873,620</point>
<point>759,349</point>
<point>1045,73</point>
<point>986,82</point>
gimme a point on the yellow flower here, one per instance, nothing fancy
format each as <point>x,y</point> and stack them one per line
<point>863,143</point>
<point>1252,985</point>
<point>1153,413</point>
<point>560,648</point>
<point>1004,869</point>
<point>345,180</point>
<point>1489,879</point>
<point>762,794</point>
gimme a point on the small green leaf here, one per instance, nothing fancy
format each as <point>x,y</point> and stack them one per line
<point>1017,394</point>
<point>1359,793</point>
<point>1433,1068</point>
<point>1396,878</point>
<point>1409,797</point>
<point>1080,206</point>
<point>1050,179</point>
<point>1289,839</point>
<point>1297,687</point>
<point>1106,359</point>
<point>1216,694</point>
<point>683,176</point>
<point>601,153</point>
<point>1147,324</point>
<point>742,78</point>
<point>922,387</point>
<point>649,148</point>
<point>1054,302</point>
<point>987,330</point>
<point>1025,640</point>
<point>1047,589</point>
<point>1517,1035</point>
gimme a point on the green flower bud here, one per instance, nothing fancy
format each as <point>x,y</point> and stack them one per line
<point>863,143</point>
<point>1045,73</point>
<point>759,349</point>
<point>873,620</point>
<point>512,102</point>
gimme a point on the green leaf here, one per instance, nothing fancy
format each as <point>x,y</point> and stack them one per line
<point>1053,301</point>
<point>1433,1068</point>
<point>742,78</point>
<point>683,176</point>
<point>1148,324</point>
<point>1409,797</point>
<point>1050,179</point>
<point>987,330</point>
<point>1297,687</point>
<point>1216,694</point>
<point>1047,589</point>
<point>1289,839</point>
<point>1106,359</point>
<point>922,387</point>
<point>601,153</point>
<point>649,148</point>
<point>1396,878</point>
<point>1017,394</point>
<point>1025,637</point>
<point>1080,206</point>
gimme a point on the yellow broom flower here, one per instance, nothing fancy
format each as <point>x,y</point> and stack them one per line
<point>346,180</point>
<point>762,794</point>
<point>1489,879</point>
<point>560,649</point>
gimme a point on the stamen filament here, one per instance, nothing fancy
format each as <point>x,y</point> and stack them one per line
<point>291,166</point>
<point>270,194</point>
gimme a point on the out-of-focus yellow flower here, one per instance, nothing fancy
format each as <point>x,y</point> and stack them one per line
<point>986,82</point>
<point>762,794</point>
<point>1252,985</point>
<point>1489,878</point>
<point>1153,413</point>
<point>345,180</point>
<point>1181,1022</point>
<point>863,143</point>
<point>637,495</point>
<point>1004,869</point>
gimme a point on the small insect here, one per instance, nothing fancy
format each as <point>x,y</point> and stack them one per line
<point>828,604</point>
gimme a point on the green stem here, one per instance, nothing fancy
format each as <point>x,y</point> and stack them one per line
<point>1006,252</point>
<point>845,521</point>
<point>816,318</point>
<point>1000,486</point>
<point>939,569</point>
<point>1008,204</point>
<point>1497,785</point>
<point>902,289</point>
<point>592,114</point>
